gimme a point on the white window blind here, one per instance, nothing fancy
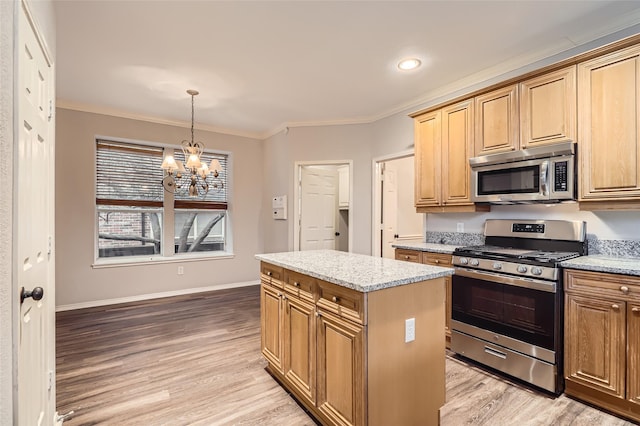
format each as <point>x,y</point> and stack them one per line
<point>128,174</point>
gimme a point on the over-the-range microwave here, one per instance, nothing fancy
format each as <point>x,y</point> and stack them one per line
<point>543,174</point>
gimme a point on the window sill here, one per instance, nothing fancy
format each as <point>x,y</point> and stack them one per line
<point>159,260</point>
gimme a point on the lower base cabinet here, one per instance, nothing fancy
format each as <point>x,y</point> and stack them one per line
<point>436,259</point>
<point>342,353</point>
<point>602,340</point>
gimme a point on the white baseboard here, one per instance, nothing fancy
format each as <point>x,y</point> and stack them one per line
<point>95,303</point>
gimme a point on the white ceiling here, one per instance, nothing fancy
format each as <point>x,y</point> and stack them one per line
<point>263,65</point>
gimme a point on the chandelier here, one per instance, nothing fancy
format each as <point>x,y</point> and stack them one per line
<point>196,176</point>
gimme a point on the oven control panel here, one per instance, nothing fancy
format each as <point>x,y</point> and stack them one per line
<point>532,228</point>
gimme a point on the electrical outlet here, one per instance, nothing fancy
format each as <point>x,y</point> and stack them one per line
<point>180,270</point>
<point>410,330</point>
<point>460,227</point>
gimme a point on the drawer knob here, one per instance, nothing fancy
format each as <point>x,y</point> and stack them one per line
<point>437,261</point>
<point>615,307</point>
<point>406,256</point>
<point>335,299</point>
<point>624,289</point>
<point>296,283</point>
<point>635,309</point>
<point>269,273</point>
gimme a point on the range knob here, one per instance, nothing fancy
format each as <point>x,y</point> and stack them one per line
<point>464,260</point>
<point>497,266</point>
<point>474,262</point>
<point>522,269</point>
<point>536,271</point>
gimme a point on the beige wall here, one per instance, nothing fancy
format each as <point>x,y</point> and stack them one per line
<point>77,281</point>
<point>350,142</point>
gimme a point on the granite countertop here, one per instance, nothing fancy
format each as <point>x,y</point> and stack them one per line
<point>422,246</point>
<point>355,271</point>
<point>601,263</point>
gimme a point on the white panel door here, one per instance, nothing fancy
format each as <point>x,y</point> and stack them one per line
<point>34,226</point>
<point>399,218</point>
<point>318,208</point>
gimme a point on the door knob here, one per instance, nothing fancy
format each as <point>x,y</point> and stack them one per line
<point>36,293</point>
<point>395,235</point>
<point>337,234</point>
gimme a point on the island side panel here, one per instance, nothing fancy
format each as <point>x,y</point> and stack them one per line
<point>406,381</point>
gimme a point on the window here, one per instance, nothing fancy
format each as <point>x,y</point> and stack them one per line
<point>131,205</point>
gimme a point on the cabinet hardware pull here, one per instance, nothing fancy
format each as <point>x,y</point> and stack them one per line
<point>406,256</point>
<point>318,314</point>
<point>635,309</point>
<point>615,306</point>
<point>437,261</point>
<point>335,299</point>
<point>624,289</point>
<point>296,283</point>
<point>269,273</point>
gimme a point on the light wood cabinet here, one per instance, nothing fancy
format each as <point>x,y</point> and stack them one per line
<point>602,335</point>
<point>271,319</point>
<point>340,369</point>
<point>609,130</point>
<point>343,355</point>
<point>428,160</point>
<point>435,259</point>
<point>496,124</point>
<point>443,146</point>
<point>548,108</point>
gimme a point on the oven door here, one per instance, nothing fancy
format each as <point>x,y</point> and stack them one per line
<point>520,309</point>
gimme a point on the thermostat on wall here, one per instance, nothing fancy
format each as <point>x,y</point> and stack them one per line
<point>279,207</point>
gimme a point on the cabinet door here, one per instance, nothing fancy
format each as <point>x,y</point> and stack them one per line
<point>497,126</point>
<point>428,159</point>
<point>548,108</point>
<point>340,370</point>
<point>271,317</point>
<point>595,344</point>
<point>633,352</point>
<point>609,94</point>
<point>457,148</point>
<point>300,347</point>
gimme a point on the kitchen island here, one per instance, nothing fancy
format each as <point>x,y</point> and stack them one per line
<point>357,340</point>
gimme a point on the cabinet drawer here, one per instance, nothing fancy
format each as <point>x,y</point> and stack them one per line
<point>272,274</point>
<point>409,255</point>
<point>301,285</point>
<point>602,284</point>
<point>347,303</point>
<point>436,259</point>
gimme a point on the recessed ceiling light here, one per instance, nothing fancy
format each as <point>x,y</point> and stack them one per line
<point>409,64</point>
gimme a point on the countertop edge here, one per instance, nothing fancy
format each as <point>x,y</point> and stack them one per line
<point>598,263</point>
<point>437,272</point>
<point>427,247</point>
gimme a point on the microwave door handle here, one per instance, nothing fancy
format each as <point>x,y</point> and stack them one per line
<point>543,177</point>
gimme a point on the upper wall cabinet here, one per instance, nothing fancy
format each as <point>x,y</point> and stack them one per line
<point>443,145</point>
<point>548,108</point>
<point>608,130</point>
<point>428,157</point>
<point>496,123</point>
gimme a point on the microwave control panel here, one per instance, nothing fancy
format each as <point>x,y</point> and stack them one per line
<point>560,176</point>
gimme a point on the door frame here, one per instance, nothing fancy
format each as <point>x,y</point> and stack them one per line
<point>376,197</point>
<point>297,173</point>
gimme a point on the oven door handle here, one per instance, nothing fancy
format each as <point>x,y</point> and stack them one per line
<point>548,286</point>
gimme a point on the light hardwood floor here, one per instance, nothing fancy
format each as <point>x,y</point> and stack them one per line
<point>195,360</point>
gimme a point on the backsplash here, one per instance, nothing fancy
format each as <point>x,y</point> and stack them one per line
<point>614,248</point>
<point>455,238</point>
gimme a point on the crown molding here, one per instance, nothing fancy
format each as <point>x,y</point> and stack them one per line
<point>95,109</point>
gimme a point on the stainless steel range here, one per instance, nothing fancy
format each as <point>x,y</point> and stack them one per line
<point>507,298</point>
